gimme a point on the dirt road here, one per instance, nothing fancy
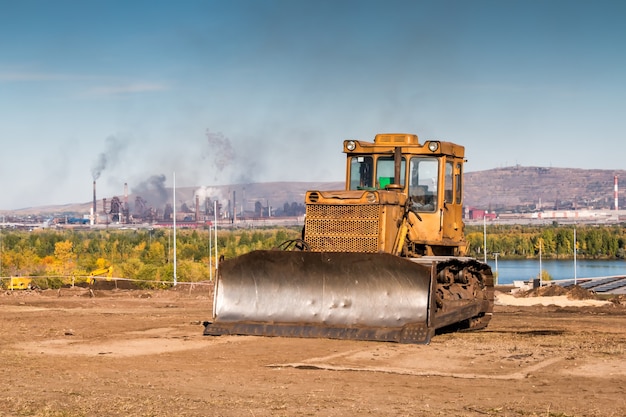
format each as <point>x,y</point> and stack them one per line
<point>142,353</point>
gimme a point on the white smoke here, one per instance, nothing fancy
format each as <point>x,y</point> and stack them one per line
<point>212,193</point>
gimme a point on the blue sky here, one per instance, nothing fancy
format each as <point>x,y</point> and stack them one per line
<point>243,91</point>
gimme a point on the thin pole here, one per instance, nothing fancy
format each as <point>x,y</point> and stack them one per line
<point>174,224</point>
<point>216,260</point>
<point>210,253</point>
<point>495,254</point>
<point>215,235</point>
<point>575,250</point>
<point>485,236</point>
<point>540,267</point>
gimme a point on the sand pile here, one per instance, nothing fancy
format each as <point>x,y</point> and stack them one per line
<point>575,292</point>
<point>574,296</point>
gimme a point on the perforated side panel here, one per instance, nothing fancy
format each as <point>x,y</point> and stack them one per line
<point>342,228</point>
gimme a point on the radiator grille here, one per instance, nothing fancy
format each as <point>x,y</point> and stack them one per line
<point>342,228</point>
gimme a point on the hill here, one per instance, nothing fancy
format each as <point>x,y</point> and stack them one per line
<point>243,196</point>
<point>515,188</point>
<point>525,188</point>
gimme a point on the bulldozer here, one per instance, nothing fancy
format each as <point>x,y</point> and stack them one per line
<point>20,283</point>
<point>383,260</point>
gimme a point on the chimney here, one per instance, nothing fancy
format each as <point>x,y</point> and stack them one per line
<point>95,211</point>
<point>234,206</point>
<point>126,208</point>
<point>197,208</point>
<point>615,192</point>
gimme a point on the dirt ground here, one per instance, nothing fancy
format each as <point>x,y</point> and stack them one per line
<point>73,352</point>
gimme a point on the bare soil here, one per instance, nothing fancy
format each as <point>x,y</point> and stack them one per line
<point>76,352</point>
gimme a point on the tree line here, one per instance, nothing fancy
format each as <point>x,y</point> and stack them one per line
<point>554,241</point>
<point>147,254</point>
<point>62,255</point>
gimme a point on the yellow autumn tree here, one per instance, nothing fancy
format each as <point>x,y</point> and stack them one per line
<point>65,257</point>
<point>101,263</point>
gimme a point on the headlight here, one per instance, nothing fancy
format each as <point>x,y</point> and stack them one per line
<point>350,145</point>
<point>433,146</point>
<point>370,197</point>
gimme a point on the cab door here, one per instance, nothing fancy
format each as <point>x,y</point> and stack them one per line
<point>452,209</point>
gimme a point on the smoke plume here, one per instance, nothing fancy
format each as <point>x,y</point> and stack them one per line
<point>212,193</point>
<point>112,148</point>
<point>153,190</point>
<point>221,148</point>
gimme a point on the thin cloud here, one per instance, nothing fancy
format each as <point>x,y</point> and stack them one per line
<point>14,76</point>
<point>22,74</point>
<point>133,88</point>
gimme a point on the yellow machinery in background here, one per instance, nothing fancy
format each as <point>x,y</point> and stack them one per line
<point>20,283</point>
<point>106,273</point>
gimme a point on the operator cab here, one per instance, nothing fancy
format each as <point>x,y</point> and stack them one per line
<point>426,170</point>
<point>376,172</point>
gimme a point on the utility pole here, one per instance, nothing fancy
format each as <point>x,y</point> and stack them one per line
<point>575,250</point>
<point>495,255</point>
<point>485,235</point>
<point>174,223</point>
<point>217,262</point>
<point>540,267</point>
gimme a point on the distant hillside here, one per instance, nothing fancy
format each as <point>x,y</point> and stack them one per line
<point>511,188</point>
<point>275,194</point>
<point>555,188</point>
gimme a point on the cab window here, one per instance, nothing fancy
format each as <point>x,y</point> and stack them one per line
<point>385,172</point>
<point>449,184</point>
<point>361,172</point>
<point>459,184</point>
<point>423,175</point>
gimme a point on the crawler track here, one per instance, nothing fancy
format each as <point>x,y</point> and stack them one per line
<point>464,289</point>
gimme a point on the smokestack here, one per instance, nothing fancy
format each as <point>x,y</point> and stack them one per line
<point>197,208</point>
<point>126,209</point>
<point>615,192</point>
<point>234,206</point>
<point>94,201</point>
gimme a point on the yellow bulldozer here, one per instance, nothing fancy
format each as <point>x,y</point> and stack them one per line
<point>20,283</point>
<point>384,259</point>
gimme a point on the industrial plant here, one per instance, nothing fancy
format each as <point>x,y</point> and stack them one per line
<point>510,194</point>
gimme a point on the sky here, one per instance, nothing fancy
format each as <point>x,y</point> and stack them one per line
<point>213,92</point>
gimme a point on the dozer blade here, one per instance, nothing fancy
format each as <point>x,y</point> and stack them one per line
<point>375,296</point>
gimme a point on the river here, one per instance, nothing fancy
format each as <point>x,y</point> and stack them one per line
<point>525,269</point>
